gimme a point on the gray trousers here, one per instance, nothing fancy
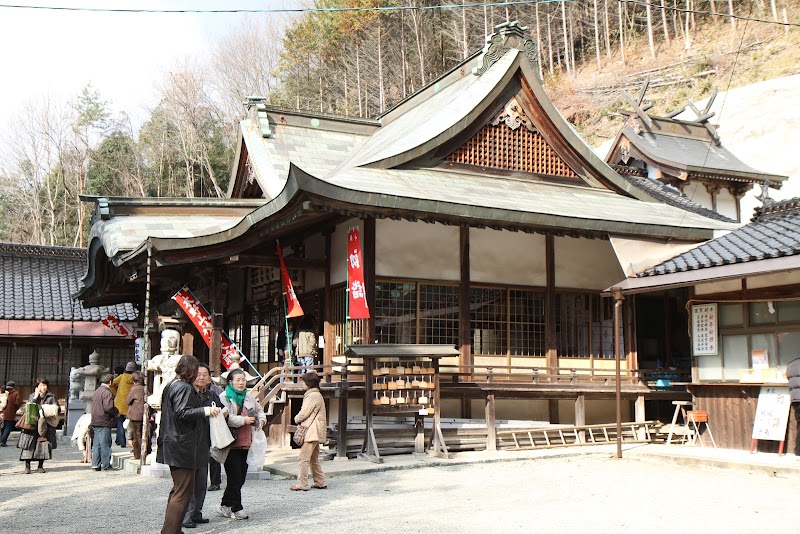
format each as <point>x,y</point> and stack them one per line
<point>195,510</point>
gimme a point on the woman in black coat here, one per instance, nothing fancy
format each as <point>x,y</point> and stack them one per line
<point>180,437</point>
<point>35,445</point>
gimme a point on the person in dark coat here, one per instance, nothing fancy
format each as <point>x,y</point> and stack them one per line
<point>38,442</point>
<point>194,514</point>
<point>793,374</point>
<point>104,418</point>
<point>135,414</point>
<point>182,439</point>
<point>13,404</point>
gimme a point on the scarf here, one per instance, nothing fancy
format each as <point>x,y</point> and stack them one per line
<point>235,396</point>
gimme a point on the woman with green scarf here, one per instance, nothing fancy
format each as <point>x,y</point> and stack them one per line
<point>245,417</point>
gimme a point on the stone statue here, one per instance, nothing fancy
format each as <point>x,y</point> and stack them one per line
<point>75,383</point>
<point>163,364</point>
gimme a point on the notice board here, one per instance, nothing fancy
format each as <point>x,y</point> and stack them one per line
<point>772,413</point>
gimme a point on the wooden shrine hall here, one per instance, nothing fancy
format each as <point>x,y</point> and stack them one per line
<point>487,226</point>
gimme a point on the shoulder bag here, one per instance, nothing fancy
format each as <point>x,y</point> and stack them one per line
<point>300,434</point>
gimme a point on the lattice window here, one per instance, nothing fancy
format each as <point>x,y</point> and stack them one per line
<point>526,323</point>
<point>354,333</point>
<point>20,364</point>
<point>488,323</point>
<point>603,329</point>
<point>395,312</point>
<point>573,325</point>
<point>48,364</point>
<point>521,149</point>
<point>5,350</point>
<point>438,314</point>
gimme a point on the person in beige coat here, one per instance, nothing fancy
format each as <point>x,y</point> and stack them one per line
<point>313,416</point>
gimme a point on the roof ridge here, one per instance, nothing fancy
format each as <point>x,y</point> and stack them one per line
<point>30,249</point>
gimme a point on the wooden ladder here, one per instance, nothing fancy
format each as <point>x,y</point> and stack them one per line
<point>568,436</point>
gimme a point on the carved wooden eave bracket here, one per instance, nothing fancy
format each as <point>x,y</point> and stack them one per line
<point>507,35</point>
<point>513,116</point>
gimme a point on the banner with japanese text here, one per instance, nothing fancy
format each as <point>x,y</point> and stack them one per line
<point>114,324</point>
<point>202,320</point>
<point>356,291</point>
<point>293,308</point>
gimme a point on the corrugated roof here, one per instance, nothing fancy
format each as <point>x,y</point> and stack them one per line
<point>39,281</point>
<point>773,233</point>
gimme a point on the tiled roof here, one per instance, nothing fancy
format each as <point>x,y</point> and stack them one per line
<point>668,195</point>
<point>774,232</point>
<point>38,283</point>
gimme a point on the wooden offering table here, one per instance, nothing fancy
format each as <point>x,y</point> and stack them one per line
<point>402,380</point>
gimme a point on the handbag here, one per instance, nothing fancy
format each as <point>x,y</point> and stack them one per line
<point>244,435</point>
<point>31,414</point>
<point>300,434</point>
<point>22,425</point>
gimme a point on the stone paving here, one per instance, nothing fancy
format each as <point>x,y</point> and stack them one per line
<point>653,488</point>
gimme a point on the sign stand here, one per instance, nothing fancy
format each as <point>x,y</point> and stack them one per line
<point>772,416</point>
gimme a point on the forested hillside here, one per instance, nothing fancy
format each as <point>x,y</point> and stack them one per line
<point>360,63</point>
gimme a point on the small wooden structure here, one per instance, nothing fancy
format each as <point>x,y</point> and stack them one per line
<point>415,363</point>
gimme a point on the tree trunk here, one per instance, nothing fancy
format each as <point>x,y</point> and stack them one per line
<point>621,32</point>
<point>566,34</point>
<point>733,20</point>
<point>358,80</point>
<point>538,41</point>
<point>381,93</point>
<point>664,21</point>
<point>549,47</point>
<point>597,37</point>
<point>607,28</point>
<point>650,30</point>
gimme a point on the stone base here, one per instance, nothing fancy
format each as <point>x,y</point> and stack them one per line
<point>76,409</point>
<point>156,470</point>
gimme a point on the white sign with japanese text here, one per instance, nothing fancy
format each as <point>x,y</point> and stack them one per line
<point>772,413</point>
<point>704,330</point>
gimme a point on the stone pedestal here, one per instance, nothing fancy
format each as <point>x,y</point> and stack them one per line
<point>76,409</point>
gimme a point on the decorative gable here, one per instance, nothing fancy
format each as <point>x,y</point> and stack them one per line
<point>510,142</point>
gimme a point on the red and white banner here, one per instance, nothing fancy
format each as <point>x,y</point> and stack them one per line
<point>357,293</point>
<point>293,308</point>
<point>114,324</point>
<point>202,320</point>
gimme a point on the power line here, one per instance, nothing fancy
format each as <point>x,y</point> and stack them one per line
<point>716,14</point>
<point>282,10</point>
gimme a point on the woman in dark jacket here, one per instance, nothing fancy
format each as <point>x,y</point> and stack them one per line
<point>135,415</point>
<point>180,438</point>
<point>34,444</point>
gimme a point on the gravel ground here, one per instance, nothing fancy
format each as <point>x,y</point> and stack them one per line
<point>578,494</point>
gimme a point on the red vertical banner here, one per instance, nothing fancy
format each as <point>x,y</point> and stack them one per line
<point>356,291</point>
<point>293,308</point>
<point>114,324</point>
<point>202,320</point>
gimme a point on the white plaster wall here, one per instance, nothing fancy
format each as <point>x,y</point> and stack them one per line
<point>315,248</point>
<point>775,279</point>
<point>586,263</point>
<point>697,193</point>
<point>339,250</point>
<point>718,287</point>
<point>726,203</point>
<point>405,249</point>
<point>507,257</point>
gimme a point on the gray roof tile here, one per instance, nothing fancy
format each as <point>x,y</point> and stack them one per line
<point>774,232</point>
<point>39,281</point>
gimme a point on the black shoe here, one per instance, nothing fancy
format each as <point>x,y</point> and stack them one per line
<point>3,445</point>
<point>213,487</point>
<point>189,525</point>
<point>95,469</point>
<point>201,521</point>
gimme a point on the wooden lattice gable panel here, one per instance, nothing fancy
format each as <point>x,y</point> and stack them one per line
<point>510,141</point>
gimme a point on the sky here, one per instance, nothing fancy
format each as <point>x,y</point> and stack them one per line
<point>55,54</point>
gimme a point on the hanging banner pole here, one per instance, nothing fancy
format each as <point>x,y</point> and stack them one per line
<point>201,319</point>
<point>291,305</point>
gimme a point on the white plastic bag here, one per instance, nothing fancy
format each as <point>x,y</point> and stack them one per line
<point>257,452</point>
<point>221,435</point>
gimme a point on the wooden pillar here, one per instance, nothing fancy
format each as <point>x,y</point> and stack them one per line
<point>580,416</point>
<point>327,325</point>
<point>369,274</point>
<point>639,414</point>
<point>629,333</point>
<point>550,306</point>
<point>552,408</point>
<point>341,445</point>
<point>465,341</point>
<point>491,430</point>
<point>187,343</point>
<point>667,361</point>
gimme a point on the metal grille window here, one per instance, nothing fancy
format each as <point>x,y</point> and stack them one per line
<point>573,325</point>
<point>4,352</point>
<point>526,322</point>
<point>235,329</point>
<point>47,364</point>
<point>438,314</point>
<point>488,323</point>
<point>20,364</point>
<point>396,312</point>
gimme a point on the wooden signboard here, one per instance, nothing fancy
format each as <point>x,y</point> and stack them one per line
<point>772,415</point>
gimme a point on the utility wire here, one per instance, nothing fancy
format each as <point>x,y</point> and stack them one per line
<point>716,14</point>
<point>284,10</point>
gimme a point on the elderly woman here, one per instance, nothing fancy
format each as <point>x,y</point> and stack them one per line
<point>38,442</point>
<point>314,417</point>
<point>135,413</point>
<point>245,417</point>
